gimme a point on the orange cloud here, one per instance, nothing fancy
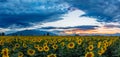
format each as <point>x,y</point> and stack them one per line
<point>101,30</point>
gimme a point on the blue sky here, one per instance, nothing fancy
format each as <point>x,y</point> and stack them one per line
<point>68,16</point>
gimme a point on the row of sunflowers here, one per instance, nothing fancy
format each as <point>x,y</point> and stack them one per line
<point>59,46</point>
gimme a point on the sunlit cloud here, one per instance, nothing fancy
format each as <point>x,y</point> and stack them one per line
<point>73,19</point>
<point>101,30</point>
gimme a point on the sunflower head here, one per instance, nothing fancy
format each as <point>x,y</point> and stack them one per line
<point>52,55</point>
<point>59,40</point>
<point>45,44</point>
<point>20,54</point>
<point>99,44</point>
<point>1,42</point>
<point>100,52</point>
<point>62,43</point>
<point>17,45</point>
<point>5,52</point>
<point>79,41</point>
<point>55,46</point>
<point>33,40</point>
<point>90,47</point>
<point>36,46</point>
<point>30,52</point>
<point>89,54</point>
<point>110,42</point>
<point>103,49</point>
<point>39,40</point>
<point>71,45</point>
<point>40,49</point>
<point>24,45</point>
<point>46,48</point>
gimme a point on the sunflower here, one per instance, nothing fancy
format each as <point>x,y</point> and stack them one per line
<point>17,45</point>
<point>89,54</point>
<point>104,49</point>
<point>30,52</point>
<point>33,40</point>
<point>59,40</point>
<point>110,42</point>
<point>1,42</point>
<point>39,40</point>
<point>105,42</point>
<point>55,46</point>
<point>45,44</point>
<point>52,55</point>
<point>90,47</point>
<point>99,44</point>
<point>36,46</point>
<point>62,43</point>
<point>24,45</point>
<point>40,49</point>
<point>100,52</point>
<point>46,48</point>
<point>79,41</point>
<point>55,41</point>
<point>20,54</point>
<point>71,45</point>
<point>5,52</point>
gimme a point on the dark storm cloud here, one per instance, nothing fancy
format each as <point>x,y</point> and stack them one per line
<point>24,20</point>
<point>104,10</point>
<point>23,12</point>
<point>112,26</point>
<point>87,27</point>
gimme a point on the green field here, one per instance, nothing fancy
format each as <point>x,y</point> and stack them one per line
<point>59,46</point>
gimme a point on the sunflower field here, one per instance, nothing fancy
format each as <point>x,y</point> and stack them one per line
<point>59,46</point>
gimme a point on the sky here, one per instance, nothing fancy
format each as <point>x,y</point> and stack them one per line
<point>61,16</point>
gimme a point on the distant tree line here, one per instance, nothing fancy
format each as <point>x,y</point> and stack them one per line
<point>21,34</point>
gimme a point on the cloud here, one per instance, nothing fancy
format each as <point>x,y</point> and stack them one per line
<point>86,27</point>
<point>103,10</point>
<point>58,14</point>
<point>25,20</point>
<point>4,30</point>
<point>112,26</point>
<point>24,12</point>
<point>69,20</point>
<point>72,18</point>
<point>32,6</point>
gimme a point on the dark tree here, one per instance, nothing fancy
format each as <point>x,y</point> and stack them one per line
<point>48,34</point>
<point>2,34</point>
